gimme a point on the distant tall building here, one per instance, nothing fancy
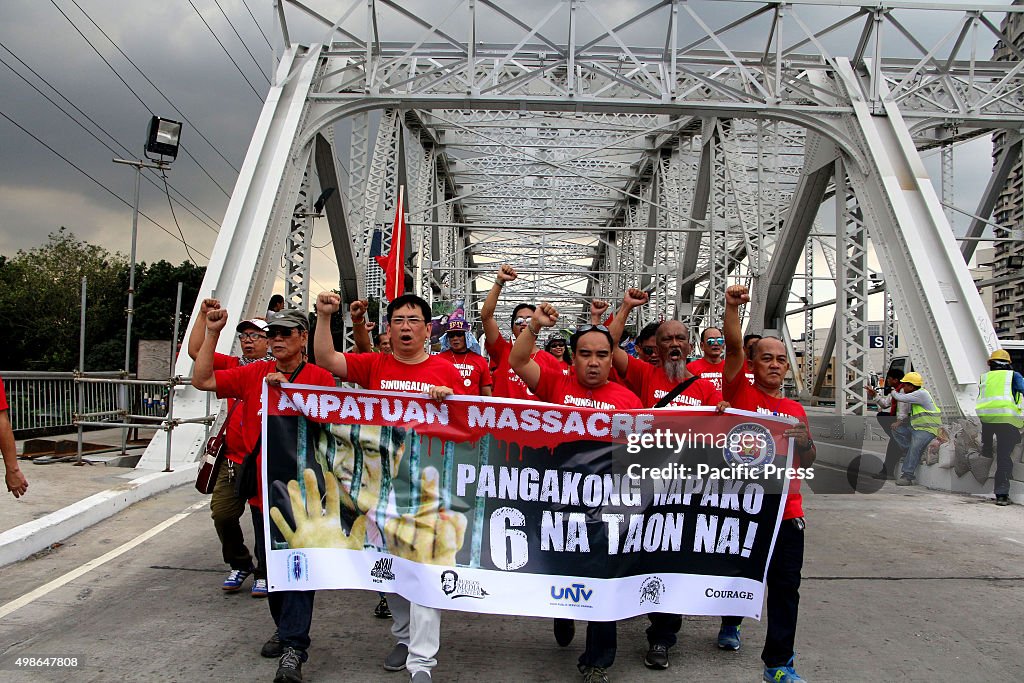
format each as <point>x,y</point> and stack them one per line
<point>1008,299</point>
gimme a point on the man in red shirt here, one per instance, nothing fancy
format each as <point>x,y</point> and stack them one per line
<point>748,349</point>
<point>653,384</point>
<point>408,368</point>
<point>476,376</point>
<point>712,345</point>
<point>225,507</point>
<point>588,386</point>
<point>506,382</point>
<point>770,363</point>
<point>16,482</point>
<point>288,334</point>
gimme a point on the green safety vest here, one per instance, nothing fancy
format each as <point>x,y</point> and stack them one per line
<point>996,404</point>
<point>925,420</point>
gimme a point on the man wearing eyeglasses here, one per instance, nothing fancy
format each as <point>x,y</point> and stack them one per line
<point>654,385</point>
<point>588,386</point>
<point>287,334</point>
<point>506,382</point>
<point>710,366</point>
<point>407,368</point>
<point>225,507</point>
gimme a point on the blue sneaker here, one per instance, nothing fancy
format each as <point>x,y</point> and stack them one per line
<point>782,674</point>
<point>259,588</point>
<point>729,638</point>
<point>235,580</point>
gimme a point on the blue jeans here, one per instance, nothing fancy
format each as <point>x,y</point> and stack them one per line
<point>913,441</point>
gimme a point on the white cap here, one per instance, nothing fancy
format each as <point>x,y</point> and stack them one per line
<point>259,324</point>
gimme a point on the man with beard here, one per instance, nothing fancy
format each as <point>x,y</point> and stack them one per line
<point>592,348</point>
<point>288,334</point>
<point>652,384</point>
<point>225,507</point>
<point>476,376</point>
<point>506,382</point>
<point>712,345</point>
<point>411,369</point>
<point>769,363</point>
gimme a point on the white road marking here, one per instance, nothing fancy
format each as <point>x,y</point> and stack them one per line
<point>1013,540</point>
<point>47,588</point>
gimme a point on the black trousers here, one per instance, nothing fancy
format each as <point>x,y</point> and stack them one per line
<point>783,592</point>
<point>292,610</point>
<point>1007,437</point>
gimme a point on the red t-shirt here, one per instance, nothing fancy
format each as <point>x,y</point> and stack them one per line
<point>554,387</point>
<point>384,372</point>
<point>506,382</point>
<point>234,440</point>
<point>472,369</point>
<point>748,372</point>
<point>651,384</point>
<point>743,396</point>
<point>3,396</point>
<point>709,371</point>
<point>246,384</point>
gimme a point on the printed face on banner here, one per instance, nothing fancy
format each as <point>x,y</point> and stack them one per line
<point>484,491</point>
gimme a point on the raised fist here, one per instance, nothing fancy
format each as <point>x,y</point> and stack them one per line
<point>736,295</point>
<point>327,303</point>
<point>357,309</point>
<point>546,315</point>
<point>507,273</point>
<point>216,319</point>
<point>208,305</point>
<point>635,297</point>
<point>598,307</point>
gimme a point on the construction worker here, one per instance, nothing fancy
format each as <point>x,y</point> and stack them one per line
<point>923,425</point>
<point>1000,408</point>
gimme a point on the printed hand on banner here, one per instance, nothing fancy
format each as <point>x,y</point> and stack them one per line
<point>374,444</point>
<point>431,535</point>
<point>316,527</point>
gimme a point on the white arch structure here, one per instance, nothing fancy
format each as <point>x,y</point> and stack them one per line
<point>684,145</point>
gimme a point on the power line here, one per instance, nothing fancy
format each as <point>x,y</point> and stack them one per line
<point>93,179</point>
<point>203,19</point>
<point>163,174</point>
<point>242,41</point>
<point>194,127</point>
<point>132,90</point>
<point>258,27</point>
<point>96,137</point>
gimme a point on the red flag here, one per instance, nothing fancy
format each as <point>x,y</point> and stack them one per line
<point>393,264</point>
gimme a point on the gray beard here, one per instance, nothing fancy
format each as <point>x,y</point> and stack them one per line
<point>675,370</point>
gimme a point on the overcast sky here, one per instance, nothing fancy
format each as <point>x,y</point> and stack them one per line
<point>172,46</point>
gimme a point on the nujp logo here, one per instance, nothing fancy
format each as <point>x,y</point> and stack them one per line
<point>577,592</point>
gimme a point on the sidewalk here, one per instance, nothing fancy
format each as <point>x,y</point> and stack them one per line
<point>64,498</point>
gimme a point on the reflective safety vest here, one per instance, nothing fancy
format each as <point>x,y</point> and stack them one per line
<point>925,420</point>
<point>996,404</point>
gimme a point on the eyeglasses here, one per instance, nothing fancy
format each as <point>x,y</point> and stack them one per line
<point>648,350</point>
<point>273,332</point>
<point>715,341</point>
<point>251,336</point>
<point>523,321</point>
<point>412,320</point>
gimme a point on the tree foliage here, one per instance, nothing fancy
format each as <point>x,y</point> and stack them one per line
<point>40,299</point>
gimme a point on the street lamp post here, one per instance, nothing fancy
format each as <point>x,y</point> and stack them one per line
<point>162,140</point>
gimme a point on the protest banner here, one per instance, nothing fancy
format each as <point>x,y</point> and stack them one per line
<point>515,507</point>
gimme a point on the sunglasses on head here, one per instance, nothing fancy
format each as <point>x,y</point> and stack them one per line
<point>588,328</point>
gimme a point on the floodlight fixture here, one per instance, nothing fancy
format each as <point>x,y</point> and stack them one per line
<point>163,138</point>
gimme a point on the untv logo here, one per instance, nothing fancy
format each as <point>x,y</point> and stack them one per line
<point>578,592</point>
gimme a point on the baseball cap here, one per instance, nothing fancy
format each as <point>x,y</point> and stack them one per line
<point>457,325</point>
<point>259,324</point>
<point>289,317</point>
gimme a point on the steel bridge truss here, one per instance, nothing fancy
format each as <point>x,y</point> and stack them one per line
<point>681,148</point>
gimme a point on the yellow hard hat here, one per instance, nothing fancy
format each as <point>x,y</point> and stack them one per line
<point>913,378</point>
<point>1000,354</point>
